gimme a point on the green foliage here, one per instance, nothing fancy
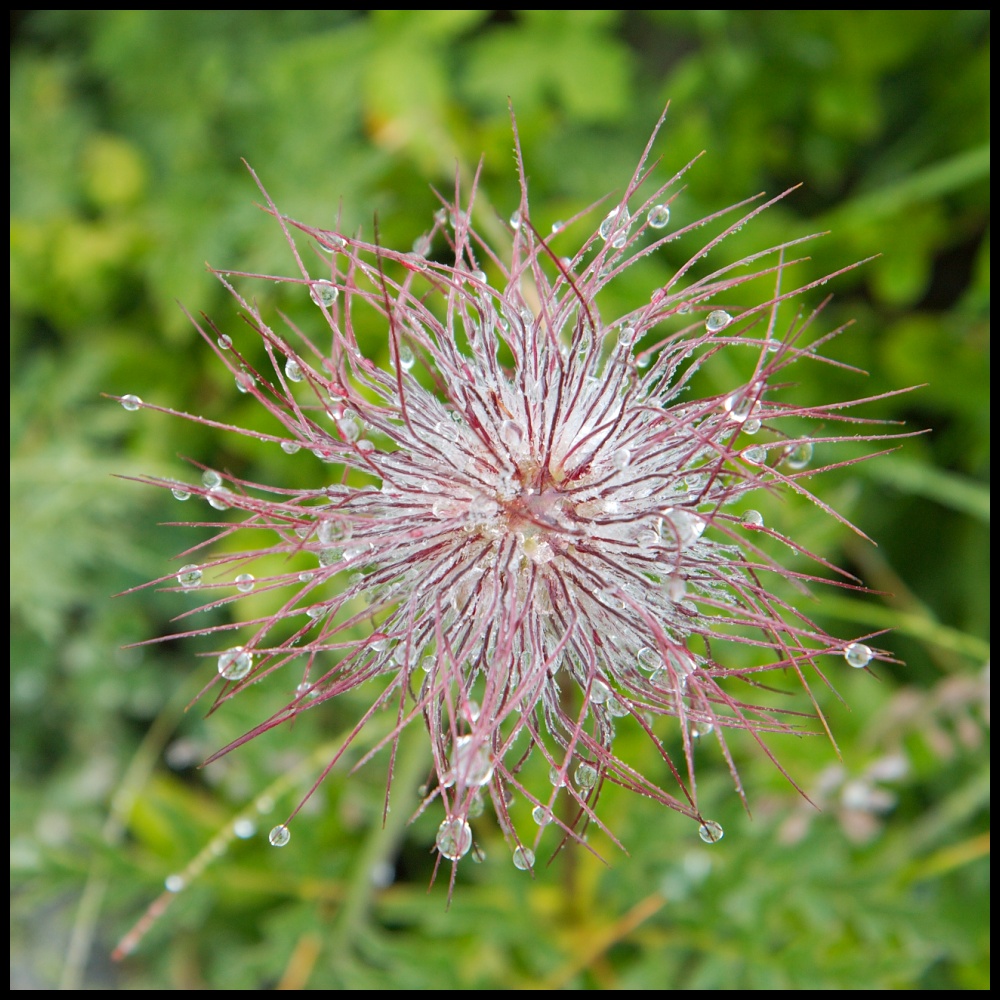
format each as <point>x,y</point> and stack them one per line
<point>127,132</point>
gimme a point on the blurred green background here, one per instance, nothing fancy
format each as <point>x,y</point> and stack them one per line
<point>127,132</point>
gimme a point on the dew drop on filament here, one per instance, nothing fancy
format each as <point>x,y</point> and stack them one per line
<point>710,832</point>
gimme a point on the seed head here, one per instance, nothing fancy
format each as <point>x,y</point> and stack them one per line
<point>528,529</point>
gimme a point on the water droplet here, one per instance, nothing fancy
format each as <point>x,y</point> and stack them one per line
<point>244,828</point>
<point>751,426</point>
<point>219,497</point>
<point>349,427</point>
<point>858,655</point>
<point>131,402</point>
<point>515,220</point>
<point>235,664</point>
<point>180,493</point>
<point>479,276</point>
<point>620,458</point>
<point>649,659</point>
<point>599,692</point>
<point>799,455</point>
<point>422,245</point>
<point>676,588</point>
<point>556,778</point>
<point>293,371</point>
<point>244,583</point>
<point>752,519</point>
<point>585,776</point>
<point>290,447</point>
<point>472,763</point>
<point>244,382</point>
<point>557,226</point>
<point>174,883</point>
<point>755,455</point>
<point>658,216</point>
<point>617,221</point>
<point>189,576</point>
<point>700,729</point>
<point>210,478</point>
<point>279,835</point>
<point>524,858</point>
<point>225,342</point>
<point>305,577</point>
<point>324,293</point>
<point>406,358</point>
<point>718,319</point>
<point>454,839</point>
<point>646,539</point>
<point>511,433</point>
<point>541,815</point>
<point>738,406</point>
<point>710,832</point>
<point>687,526</point>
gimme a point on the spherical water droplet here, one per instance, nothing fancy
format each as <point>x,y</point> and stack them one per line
<point>649,659</point>
<point>324,293</point>
<point>219,497</point>
<point>235,664</point>
<point>479,276</point>
<point>755,455</point>
<point>244,583</point>
<point>472,763</point>
<point>858,655</point>
<point>524,858</point>
<point>710,832</point>
<point>350,427</point>
<point>189,576</point>
<point>174,883</point>
<point>752,519</point>
<point>751,426</point>
<point>225,342</point>
<point>454,839</point>
<point>799,455</point>
<point>244,828</point>
<point>585,776</point>
<point>658,216</point>
<point>210,478</point>
<point>290,447</point>
<point>515,220</point>
<point>599,692</point>
<point>700,729</point>
<point>131,402</point>
<point>718,319</point>
<point>279,836</point>
<point>541,815</point>
<point>293,371</point>
<point>557,226</point>
<point>244,382</point>
<point>556,778</point>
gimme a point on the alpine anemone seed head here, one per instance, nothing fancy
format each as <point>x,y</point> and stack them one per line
<point>528,530</point>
